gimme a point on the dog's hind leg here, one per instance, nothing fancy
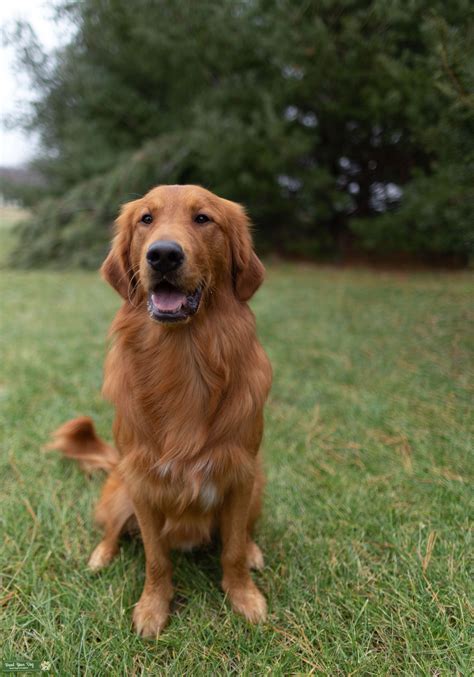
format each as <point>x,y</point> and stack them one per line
<point>254,554</point>
<point>112,513</point>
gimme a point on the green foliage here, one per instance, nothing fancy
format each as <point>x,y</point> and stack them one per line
<point>436,217</point>
<point>437,210</point>
<point>75,229</point>
<point>365,528</point>
<point>339,124</point>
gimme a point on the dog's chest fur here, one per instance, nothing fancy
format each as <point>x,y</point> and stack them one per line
<point>194,479</point>
<point>191,401</point>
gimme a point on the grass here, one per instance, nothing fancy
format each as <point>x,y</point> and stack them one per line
<point>366,521</point>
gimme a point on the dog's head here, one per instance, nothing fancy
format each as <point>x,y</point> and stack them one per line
<point>176,245</point>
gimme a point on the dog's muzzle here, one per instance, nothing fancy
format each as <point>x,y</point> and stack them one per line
<point>167,300</point>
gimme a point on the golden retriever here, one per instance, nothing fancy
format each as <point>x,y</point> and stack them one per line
<point>188,379</point>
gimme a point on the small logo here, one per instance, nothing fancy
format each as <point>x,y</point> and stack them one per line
<point>24,665</point>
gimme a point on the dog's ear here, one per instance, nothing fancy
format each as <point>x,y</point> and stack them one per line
<point>247,269</point>
<point>116,269</point>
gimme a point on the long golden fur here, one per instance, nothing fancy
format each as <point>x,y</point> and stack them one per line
<point>188,395</point>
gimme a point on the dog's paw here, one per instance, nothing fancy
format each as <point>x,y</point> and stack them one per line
<point>102,555</point>
<point>254,556</point>
<point>249,602</point>
<point>150,616</point>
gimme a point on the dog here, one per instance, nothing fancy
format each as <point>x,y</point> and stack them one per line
<point>188,379</point>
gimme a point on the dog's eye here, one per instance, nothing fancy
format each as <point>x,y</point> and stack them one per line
<point>201,218</point>
<point>147,219</point>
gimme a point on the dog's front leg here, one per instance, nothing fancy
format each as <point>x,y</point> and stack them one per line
<point>152,610</point>
<point>244,595</point>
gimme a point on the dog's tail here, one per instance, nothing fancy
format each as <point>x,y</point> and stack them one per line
<point>78,439</point>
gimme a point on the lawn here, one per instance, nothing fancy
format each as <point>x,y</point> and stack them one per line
<point>366,522</point>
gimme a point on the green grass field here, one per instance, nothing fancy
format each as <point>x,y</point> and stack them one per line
<point>366,521</point>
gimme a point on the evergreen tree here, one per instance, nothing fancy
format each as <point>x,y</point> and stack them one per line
<point>340,124</point>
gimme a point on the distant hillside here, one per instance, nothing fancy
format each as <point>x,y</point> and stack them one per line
<point>20,175</point>
<point>19,185</point>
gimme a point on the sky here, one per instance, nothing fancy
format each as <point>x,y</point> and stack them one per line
<point>16,148</point>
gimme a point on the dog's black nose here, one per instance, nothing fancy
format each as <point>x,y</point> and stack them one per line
<point>165,255</point>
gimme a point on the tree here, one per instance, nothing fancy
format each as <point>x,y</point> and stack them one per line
<point>339,124</point>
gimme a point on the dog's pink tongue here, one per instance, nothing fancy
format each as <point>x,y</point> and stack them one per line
<point>168,300</point>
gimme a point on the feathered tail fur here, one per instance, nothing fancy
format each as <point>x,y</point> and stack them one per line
<point>78,439</point>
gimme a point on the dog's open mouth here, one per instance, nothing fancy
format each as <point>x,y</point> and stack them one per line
<point>167,303</point>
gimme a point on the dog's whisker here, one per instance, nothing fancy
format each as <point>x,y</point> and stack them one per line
<point>132,283</point>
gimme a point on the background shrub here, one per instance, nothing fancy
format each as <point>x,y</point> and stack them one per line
<point>342,126</point>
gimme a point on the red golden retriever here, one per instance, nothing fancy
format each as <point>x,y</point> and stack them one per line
<point>188,379</point>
